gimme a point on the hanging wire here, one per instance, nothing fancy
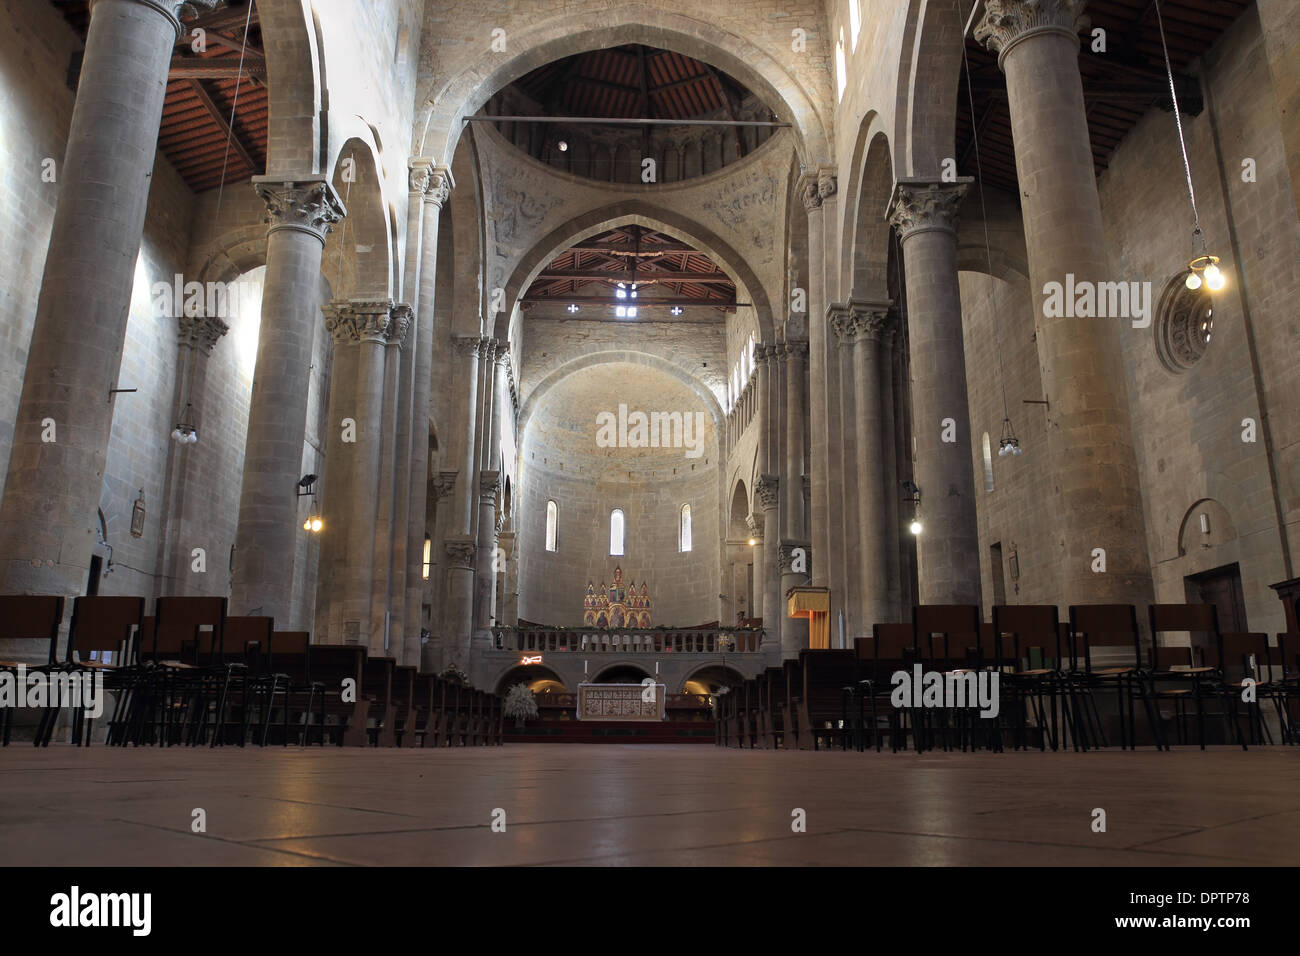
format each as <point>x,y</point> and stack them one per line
<point>1178,119</point>
<point>988,252</point>
<point>230,126</point>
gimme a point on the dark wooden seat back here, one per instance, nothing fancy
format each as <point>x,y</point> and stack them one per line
<point>101,624</point>
<point>288,654</point>
<point>331,664</point>
<point>190,629</point>
<point>31,617</point>
<point>248,639</point>
<point>1018,627</point>
<point>944,631</point>
<point>1104,625</point>
<point>826,673</point>
<point>1245,654</point>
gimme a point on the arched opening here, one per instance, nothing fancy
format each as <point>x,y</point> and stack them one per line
<point>539,678</point>
<point>621,674</point>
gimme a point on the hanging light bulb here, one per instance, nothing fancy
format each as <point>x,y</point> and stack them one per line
<point>1214,279</point>
<point>915,526</point>
<point>306,525</point>
<point>316,524</point>
<point>1008,444</point>
<point>176,435</point>
<point>1193,281</point>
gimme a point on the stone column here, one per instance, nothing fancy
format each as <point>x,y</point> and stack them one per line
<point>335,482</point>
<point>794,633</point>
<point>869,326</point>
<point>769,580</point>
<point>489,492</point>
<point>198,337</point>
<point>925,215</point>
<point>459,542</point>
<point>892,486</point>
<point>819,523</point>
<point>368,324</point>
<point>1090,443</point>
<point>386,618</point>
<point>61,432</point>
<point>434,189</point>
<point>849,484</point>
<point>300,214</point>
<point>795,355</point>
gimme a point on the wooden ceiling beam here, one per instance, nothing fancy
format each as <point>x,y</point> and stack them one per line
<point>236,144</point>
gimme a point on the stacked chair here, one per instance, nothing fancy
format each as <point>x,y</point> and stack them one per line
<point>190,674</point>
<point>1087,682</point>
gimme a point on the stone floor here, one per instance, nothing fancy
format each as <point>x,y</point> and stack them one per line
<point>650,805</point>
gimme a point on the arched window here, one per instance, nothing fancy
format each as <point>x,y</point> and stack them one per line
<point>841,70</point>
<point>855,23</point>
<point>428,555</point>
<point>684,532</point>
<point>552,526</point>
<point>988,464</point>
<point>616,532</point>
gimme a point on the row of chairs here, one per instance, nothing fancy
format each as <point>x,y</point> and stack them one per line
<point>191,674</point>
<point>1050,675</point>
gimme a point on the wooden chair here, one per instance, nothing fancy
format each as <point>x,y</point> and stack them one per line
<point>771,714</point>
<point>828,679</point>
<point>1202,621</point>
<point>1112,626</point>
<point>244,644</point>
<point>1017,631</point>
<point>103,640</point>
<point>288,669</point>
<point>1246,657</point>
<point>189,676</point>
<point>891,647</point>
<point>943,632</point>
<point>377,684</point>
<point>28,621</point>
<point>406,705</point>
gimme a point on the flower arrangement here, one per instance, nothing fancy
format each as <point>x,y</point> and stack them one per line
<point>520,703</point>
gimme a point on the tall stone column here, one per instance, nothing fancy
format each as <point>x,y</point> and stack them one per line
<point>65,413</point>
<point>198,337</point>
<point>819,437</point>
<point>925,215</point>
<point>794,355</point>
<point>433,185</point>
<point>769,576</point>
<point>441,490</point>
<point>1089,438</point>
<point>869,326</point>
<point>335,484</point>
<point>300,214</point>
<point>794,632</point>
<point>892,487</point>
<point>459,543</point>
<point>489,493</point>
<point>368,324</point>
<point>386,618</point>
<point>845,540</point>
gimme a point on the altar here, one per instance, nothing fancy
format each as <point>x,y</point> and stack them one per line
<point>626,702</point>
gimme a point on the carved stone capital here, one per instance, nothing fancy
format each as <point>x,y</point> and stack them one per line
<point>460,551</point>
<point>811,197</point>
<point>870,321</point>
<point>174,9</point>
<point>311,206</point>
<point>1006,22</point>
<point>440,186</point>
<point>444,484</point>
<point>200,332</point>
<point>754,523</point>
<point>767,488</point>
<point>794,350</point>
<point>788,551</point>
<point>920,205</point>
<point>826,184</point>
<point>419,175</point>
<point>466,346</point>
<point>360,320</point>
<point>489,485</point>
<point>840,320</point>
<point>403,315</point>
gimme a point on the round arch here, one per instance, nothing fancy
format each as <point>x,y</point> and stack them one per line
<point>621,672</point>
<point>592,359</point>
<point>362,249</point>
<point>636,212</point>
<point>438,124</point>
<point>294,80</point>
<point>928,74</point>
<point>865,263</point>
<point>528,674</point>
<point>713,675</point>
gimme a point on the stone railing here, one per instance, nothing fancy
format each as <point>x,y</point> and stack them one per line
<point>715,640</point>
